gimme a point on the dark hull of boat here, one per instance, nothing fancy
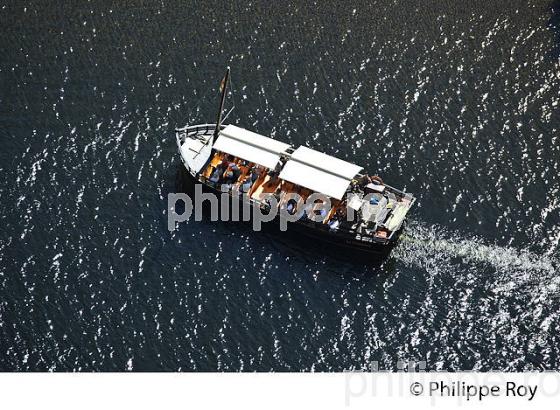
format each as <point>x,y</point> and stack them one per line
<point>320,237</point>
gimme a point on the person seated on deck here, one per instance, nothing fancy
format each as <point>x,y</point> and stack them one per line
<point>255,174</point>
<point>231,174</point>
<point>216,175</point>
<point>250,179</point>
<point>266,206</point>
<point>246,185</point>
<point>236,171</point>
<point>345,220</point>
<point>291,206</point>
<point>226,161</point>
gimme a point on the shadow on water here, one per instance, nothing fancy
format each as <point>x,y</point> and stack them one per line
<point>554,25</point>
<point>289,243</point>
<point>313,252</point>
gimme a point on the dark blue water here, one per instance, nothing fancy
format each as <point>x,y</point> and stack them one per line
<point>458,102</point>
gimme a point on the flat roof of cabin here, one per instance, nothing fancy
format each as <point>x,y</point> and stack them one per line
<point>250,146</point>
<point>319,172</point>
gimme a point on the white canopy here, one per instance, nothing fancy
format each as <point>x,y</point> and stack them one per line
<point>326,163</point>
<point>319,172</point>
<point>250,146</point>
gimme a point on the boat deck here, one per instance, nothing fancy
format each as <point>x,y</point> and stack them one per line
<point>369,210</point>
<point>379,219</point>
<point>195,146</point>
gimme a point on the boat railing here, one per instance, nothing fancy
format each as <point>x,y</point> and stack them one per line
<point>340,231</point>
<point>198,129</point>
<point>195,131</point>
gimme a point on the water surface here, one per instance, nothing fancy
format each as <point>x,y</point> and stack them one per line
<point>457,102</point>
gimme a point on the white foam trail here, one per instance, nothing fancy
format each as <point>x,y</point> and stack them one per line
<point>515,268</point>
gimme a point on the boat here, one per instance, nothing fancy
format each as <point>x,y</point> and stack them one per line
<point>366,215</point>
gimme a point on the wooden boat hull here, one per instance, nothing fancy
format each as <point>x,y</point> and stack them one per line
<point>320,235</point>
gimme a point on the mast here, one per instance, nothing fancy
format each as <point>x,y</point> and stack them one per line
<point>223,85</point>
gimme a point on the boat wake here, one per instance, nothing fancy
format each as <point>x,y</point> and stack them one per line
<point>424,246</point>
